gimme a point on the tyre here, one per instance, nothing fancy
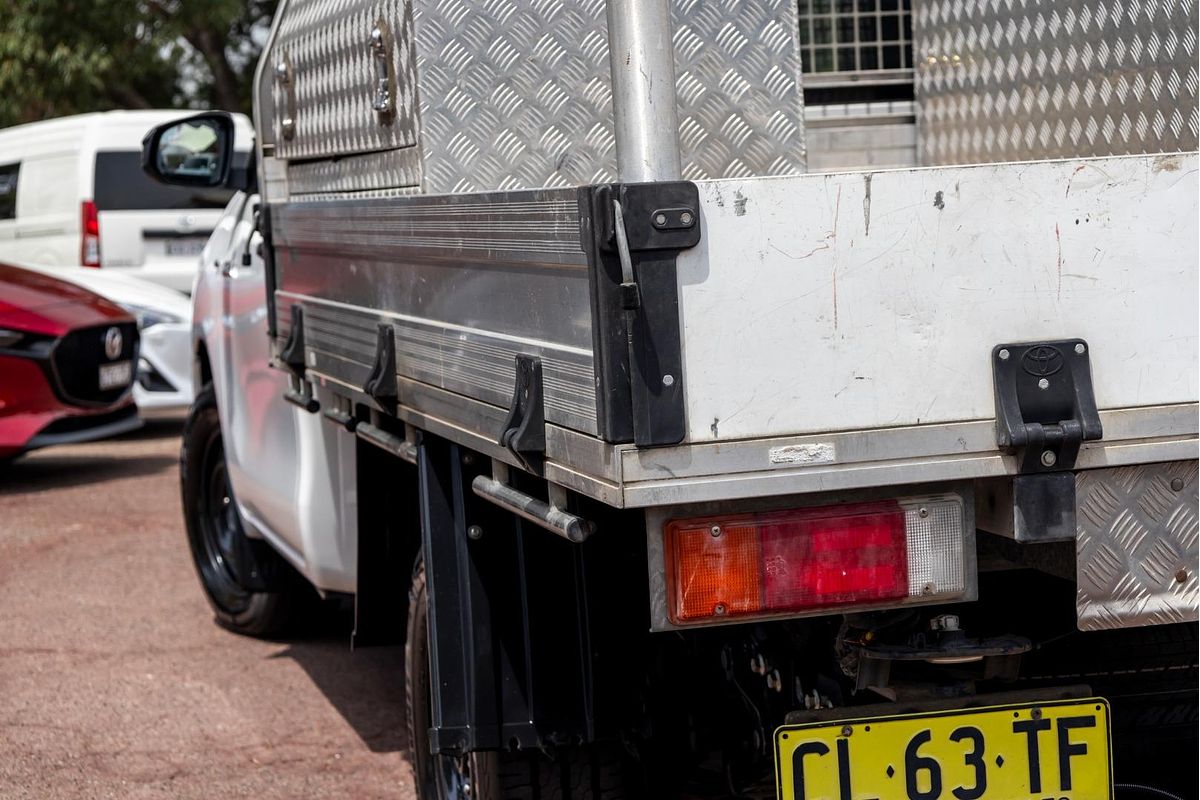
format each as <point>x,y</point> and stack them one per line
<point>251,589</point>
<point>575,774</point>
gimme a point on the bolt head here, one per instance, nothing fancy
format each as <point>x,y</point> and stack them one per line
<point>1043,383</point>
<point>668,380</point>
<point>923,512</point>
<point>1049,459</point>
<point>1003,354</point>
<point>847,730</point>
<point>719,609</point>
<point>1079,348</point>
<point>660,219</point>
<point>474,532</point>
<point>686,218</point>
<point>1036,713</point>
<point>715,530</point>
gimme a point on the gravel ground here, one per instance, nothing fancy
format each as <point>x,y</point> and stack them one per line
<point>116,683</point>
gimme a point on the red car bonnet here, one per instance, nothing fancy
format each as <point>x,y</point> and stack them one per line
<point>38,303</point>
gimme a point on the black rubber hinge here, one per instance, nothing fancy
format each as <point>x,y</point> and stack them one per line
<point>1045,406</point>
<point>292,354</point>
<point>636,323</point>
<point>524,432</point>
<point>381,384</point>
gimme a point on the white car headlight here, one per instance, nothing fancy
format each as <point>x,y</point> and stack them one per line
<point>149,317</point>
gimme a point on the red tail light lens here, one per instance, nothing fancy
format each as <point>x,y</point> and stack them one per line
<point>89,246</point>
<point>829,557</point>
<point>783,561</point>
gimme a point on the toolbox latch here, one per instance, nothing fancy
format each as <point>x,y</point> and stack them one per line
<point>1045,406</point>
<point>524,432</point>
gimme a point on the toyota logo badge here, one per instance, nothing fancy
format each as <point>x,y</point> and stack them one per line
<point>113,342</point>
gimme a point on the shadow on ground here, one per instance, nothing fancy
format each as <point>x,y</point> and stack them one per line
<point>60,467</point>
<point>365,685</point>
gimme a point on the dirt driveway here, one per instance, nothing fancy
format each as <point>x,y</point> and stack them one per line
<point>114,682</point>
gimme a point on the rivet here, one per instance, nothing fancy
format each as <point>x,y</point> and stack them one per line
<point>1003,355</point>
<point>1043,384</point>
<point>1048,458</point>
<point>474,532</point>
<point>1177,484</point>
<point>1181,576</point>
<point>1079,348</point>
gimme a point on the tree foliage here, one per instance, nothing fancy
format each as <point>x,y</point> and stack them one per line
<point>62,57</point>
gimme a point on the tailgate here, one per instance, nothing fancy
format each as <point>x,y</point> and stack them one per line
<point>863,301</point>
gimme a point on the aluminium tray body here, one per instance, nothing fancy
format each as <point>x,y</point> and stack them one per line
<point>836,330</point>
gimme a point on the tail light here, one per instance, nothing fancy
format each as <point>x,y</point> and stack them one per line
<point>89,247</point>
<point>811,559</point>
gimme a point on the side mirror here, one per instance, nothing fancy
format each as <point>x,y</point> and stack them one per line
<point>193,151</point>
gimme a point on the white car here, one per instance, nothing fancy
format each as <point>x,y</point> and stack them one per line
<point>164,373</point>
<point>72,193</point>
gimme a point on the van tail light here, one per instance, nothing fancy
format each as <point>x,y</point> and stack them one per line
<point>89,247</point>
<point>810,559</point>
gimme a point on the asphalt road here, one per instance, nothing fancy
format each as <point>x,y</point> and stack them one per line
<point>114,681</point>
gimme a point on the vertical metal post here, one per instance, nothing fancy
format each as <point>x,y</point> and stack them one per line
<point>642,60</point>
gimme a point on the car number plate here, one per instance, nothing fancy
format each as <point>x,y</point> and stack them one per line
<point>192,246</point>
<point>1035,751</point>
<point>113,376</point>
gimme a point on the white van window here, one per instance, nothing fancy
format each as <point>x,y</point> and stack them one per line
<point>121,185</point>
<point>8,190</point>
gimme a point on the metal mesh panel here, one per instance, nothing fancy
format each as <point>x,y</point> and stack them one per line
<point>1003,80</point>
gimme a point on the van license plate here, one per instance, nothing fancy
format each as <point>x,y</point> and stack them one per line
<point>191,246</point>
<point>1033,751</point>
<point>116,375</point>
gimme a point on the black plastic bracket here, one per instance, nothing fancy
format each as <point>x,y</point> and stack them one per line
<point>524,432</point>
<point>381,382</point>
<point>635,305</point>
<point>1045,406</point>
<point>292,353</point>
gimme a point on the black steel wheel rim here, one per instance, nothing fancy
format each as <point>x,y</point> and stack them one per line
<point>223,547</point>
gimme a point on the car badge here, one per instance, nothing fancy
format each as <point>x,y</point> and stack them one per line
<point>113,343</point>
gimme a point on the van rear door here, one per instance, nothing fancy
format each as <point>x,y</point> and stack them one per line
<point>154,229</point>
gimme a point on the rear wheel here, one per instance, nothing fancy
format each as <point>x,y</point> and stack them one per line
<point>251,589</point>
<point>575,774</point>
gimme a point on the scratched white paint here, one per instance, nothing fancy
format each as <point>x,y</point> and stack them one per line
<point>811,305</point>
<point>819,453</point>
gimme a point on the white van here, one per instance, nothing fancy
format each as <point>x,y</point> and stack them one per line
<point>72,192</point>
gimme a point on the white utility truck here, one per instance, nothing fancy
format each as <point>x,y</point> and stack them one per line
<point>679,471</point>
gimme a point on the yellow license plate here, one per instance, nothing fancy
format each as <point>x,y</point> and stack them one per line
<point>1034,751</point>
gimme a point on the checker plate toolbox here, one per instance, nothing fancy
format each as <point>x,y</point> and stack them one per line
<point>454,244</point>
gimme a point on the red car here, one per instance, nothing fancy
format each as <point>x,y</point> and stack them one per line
<point>67,360</point>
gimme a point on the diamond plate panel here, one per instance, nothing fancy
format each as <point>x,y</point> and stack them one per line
<point>327,43</point>
<point>1006,80</point>
<point>1137,545</point>
<point>516,93</point>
